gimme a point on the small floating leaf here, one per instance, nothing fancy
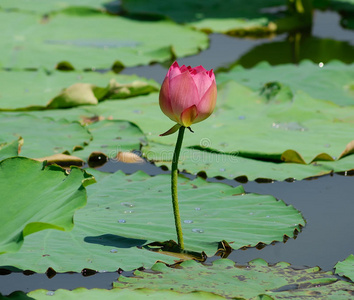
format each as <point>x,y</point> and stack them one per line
<point>346,267</point>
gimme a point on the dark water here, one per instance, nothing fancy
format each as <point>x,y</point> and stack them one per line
<point>327,203</point>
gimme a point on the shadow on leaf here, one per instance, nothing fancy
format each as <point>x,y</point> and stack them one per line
<point>114,241</point>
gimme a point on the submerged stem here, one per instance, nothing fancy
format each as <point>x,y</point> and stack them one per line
<point>174,178</point>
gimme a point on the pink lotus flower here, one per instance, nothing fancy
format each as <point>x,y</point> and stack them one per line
<point>187,95</point>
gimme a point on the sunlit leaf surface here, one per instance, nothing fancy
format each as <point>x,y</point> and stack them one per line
<point>279,281</point>
<point>333,81</point>
<point>346,267</point>
<point>9,149</point>
<point>112,137</point>
<point>28,41</point>
<point>82,293</point>
<point>43,7</point>
<point>35,198</point>
<point>43,136</point>
<point>38,90</point>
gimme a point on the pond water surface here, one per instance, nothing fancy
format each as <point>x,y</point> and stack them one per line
<point>326,202</point>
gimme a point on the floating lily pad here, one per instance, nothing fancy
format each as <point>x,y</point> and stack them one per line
<point>35,198</point>
<point>231,166</point>
<point>29,41</point>
<point>113,294</point>
<point>233,16</point>
<point>280,281</point>
<point>128,211</point>
<point>45,7</point>
<point>43,136</point>
<point>296,49</point>
<point>24,90</point>
<point>346,267</point>
<point>333,81</point>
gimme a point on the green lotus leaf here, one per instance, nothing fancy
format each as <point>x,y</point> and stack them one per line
<point>233,16</point>
<point>82,293</point>
<point>45,7</point>
<point>23,90</point>
<point>254,281</point>
<point>113,41</point>
<point>297,49</point>
<point>332,81</point>
<point>232,166</point>
<point>346,267</point>
<point>128,211</point>
<point>112,137</point>
<point>35,197</point>
<point>43,136</point>
<point>9,149</point>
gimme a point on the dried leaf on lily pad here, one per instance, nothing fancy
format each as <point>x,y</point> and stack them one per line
<point>35,197</point>
<point>349,149</point>
<point>125,211</point>
<point>253,281</point>
<point>75,95</point>
<point>62,160</point>
<point>89,94</point>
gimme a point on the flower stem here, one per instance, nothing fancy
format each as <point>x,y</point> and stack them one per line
<point>174,178</point>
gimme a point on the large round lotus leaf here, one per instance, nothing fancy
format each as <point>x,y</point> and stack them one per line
<point>113,294</point>
<point>232,16</point>
<point>45,7</point>
<point>346,267</point>
<point>245,282</point>
<point>43,136</point>
<point>333,81</point>
<point>95,41</point>
<point>34,90</point>
<point>111,137</point>
<point>128,211</point>
<point>34,198</point>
